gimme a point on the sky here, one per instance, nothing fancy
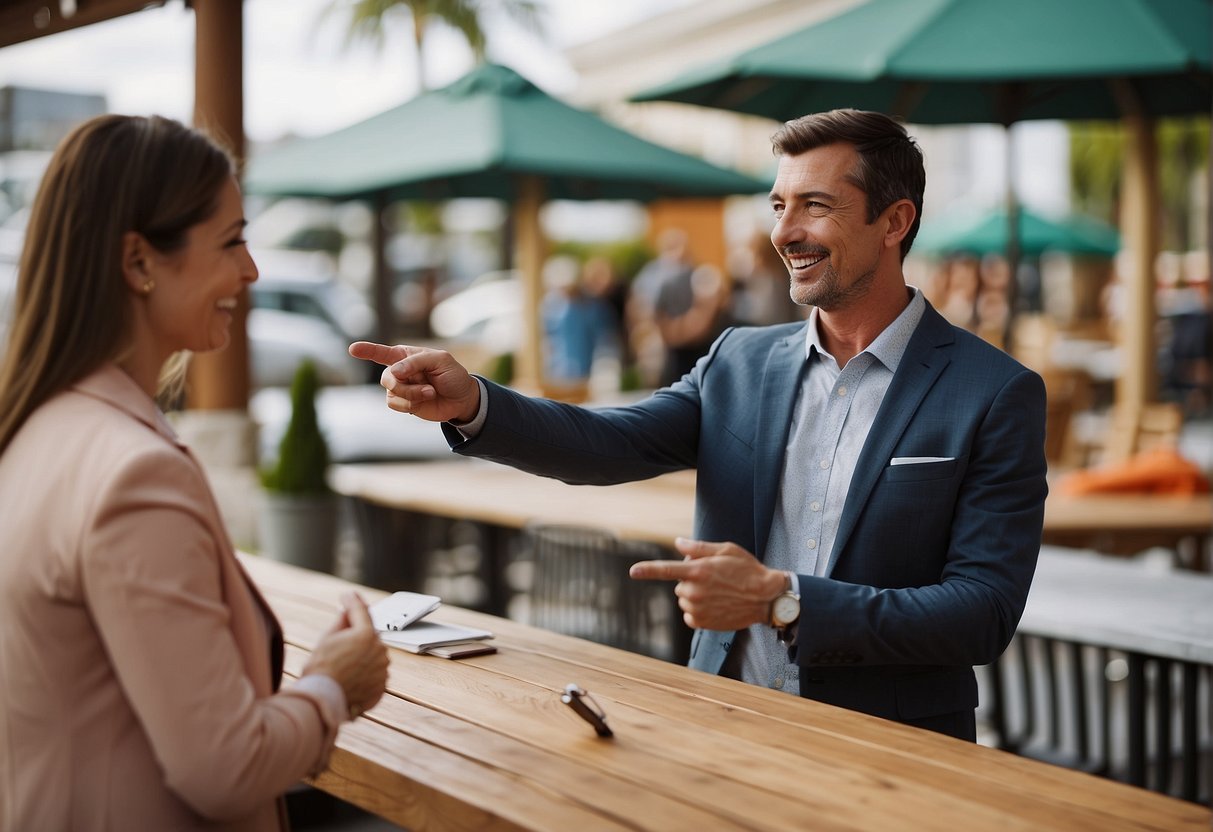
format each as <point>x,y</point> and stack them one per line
<point>300,78</point>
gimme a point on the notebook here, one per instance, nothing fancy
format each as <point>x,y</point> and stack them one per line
<point>425,635</point>
<point>398,620</point>
<point>400,609</point>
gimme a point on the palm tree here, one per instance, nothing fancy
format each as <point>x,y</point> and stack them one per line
<point>367,19</point>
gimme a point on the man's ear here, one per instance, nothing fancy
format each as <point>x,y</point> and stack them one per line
<point>136,261</point>
<point>900,216</point>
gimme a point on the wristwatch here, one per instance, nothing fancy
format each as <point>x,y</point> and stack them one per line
<point>785,612</point>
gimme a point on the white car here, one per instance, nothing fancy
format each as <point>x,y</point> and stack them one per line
<point>487,312</point>
<point>301,310</point>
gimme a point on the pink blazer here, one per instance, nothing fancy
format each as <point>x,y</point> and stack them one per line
<point>136,687</point>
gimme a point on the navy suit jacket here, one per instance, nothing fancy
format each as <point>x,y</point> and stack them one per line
<point>931,563</point>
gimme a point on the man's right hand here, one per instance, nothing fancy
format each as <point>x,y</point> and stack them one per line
<point>426,382</point>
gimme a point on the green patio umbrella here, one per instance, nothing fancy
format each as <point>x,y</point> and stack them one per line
<point>987,234</point>
<point>492,134</point>
<point>971,61</point>
<point>999,61</point>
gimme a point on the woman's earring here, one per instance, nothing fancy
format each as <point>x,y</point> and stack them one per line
<point>146,289</point>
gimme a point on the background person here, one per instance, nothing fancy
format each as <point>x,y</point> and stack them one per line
<point>870,483</point>
<point>139,666</point>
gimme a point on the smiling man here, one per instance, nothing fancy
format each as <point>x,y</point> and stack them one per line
<point>870,483</point>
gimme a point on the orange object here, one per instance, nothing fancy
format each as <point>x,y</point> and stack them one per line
<point>1157,471</point>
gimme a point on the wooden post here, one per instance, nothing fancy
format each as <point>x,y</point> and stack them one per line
<point>385,318</point>
<point>220,380</point>
<point>530,250</point>
<point>1137,385</point>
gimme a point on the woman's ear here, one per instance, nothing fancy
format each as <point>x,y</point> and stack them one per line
<point>137,262</point>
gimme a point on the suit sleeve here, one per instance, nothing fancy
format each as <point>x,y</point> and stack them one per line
<point>968,616</point>
<point>581,446</point>
<point>152,579</point>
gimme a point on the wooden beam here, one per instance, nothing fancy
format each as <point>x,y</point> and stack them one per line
<point>530,250</point>
<point>220,380</point>
<point>1139,227</point>
<point>25,20</point>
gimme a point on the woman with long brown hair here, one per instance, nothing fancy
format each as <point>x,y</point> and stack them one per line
<point>139,667</point>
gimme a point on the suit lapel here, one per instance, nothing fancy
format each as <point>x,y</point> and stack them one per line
<point>925,358</point>
<point>781,381</point>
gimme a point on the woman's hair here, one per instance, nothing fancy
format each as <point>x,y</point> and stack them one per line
<point>890,163</point>
<point>72,313</point>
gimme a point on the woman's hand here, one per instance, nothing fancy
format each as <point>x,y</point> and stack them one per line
<point>352,654</point>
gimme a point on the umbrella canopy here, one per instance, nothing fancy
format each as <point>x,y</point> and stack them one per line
<point>987,234</point>
<point>491,134</point>
<point>474,138</point>
<point>971,61</point>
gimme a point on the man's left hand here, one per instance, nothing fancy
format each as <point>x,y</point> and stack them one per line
<point>720,586</point>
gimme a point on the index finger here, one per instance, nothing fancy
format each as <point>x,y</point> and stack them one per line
<point>379,353</point>
<point>661,570</point>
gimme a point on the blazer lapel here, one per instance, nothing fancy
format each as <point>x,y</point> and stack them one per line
<point>925,358</point>
<point>781,380</point>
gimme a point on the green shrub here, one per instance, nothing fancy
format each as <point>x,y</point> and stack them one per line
<point>303,455</point>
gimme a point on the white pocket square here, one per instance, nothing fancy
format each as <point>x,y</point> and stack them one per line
<point>919,460</point>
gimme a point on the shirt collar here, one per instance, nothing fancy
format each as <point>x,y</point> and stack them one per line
<point>890,345</point>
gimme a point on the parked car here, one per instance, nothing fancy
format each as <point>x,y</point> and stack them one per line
<point>487,312</point>
<point>301,310</point>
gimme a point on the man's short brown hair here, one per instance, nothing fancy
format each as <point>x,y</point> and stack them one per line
<point>890,162</point>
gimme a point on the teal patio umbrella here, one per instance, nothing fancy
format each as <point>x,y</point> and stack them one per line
<point>492,134</point>
<point>992,61</point>
<point>987,234</point>
<point>971,61</point>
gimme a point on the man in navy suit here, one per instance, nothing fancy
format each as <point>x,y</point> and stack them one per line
<point>870,483</point>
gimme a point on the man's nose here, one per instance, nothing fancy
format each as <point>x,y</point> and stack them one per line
<point>784,232</point>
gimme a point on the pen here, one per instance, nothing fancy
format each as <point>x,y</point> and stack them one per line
<point>586,707</point>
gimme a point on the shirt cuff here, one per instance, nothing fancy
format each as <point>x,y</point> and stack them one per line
<point>334,710</point>
<point>470,430</point>
<point>795,583</point>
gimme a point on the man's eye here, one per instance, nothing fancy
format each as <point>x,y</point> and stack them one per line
<point>239,241</point>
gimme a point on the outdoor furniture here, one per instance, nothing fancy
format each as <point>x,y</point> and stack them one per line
<point>400,507</point>
<point>503,500</point>
<point>1141,428</point>
<point>1111,672</point>
<point>580,587</point>
<point>1127,524</point>
<point>486,743</point>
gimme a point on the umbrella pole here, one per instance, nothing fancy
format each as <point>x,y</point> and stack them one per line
<point>1139,229</point>
<point>1014,246</point>
<point>529,252</point>
<point>381,279</point>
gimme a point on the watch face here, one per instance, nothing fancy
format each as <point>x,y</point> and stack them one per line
<point>786,610</point>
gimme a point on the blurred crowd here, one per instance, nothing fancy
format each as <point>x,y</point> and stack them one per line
<point>656,326</point>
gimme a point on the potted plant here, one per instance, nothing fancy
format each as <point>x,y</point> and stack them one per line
<point>299,514</point>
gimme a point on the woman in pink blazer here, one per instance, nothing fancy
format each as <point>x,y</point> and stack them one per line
<point>139,666</point>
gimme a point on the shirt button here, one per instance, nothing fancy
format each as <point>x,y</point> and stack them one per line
<point>777,684</point>
<point>842,391</point>
<point>812,544</point>
<point>816,506</point>
<point>825,463</point>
